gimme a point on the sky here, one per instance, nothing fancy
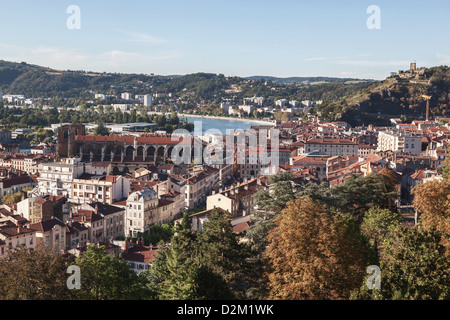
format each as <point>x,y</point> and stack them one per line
<point>279,38</point>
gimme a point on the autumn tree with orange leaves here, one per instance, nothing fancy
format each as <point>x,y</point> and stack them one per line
<point>312,255</point>
<point>432,201</point>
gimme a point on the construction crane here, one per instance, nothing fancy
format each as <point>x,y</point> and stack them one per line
<point>428,106</point>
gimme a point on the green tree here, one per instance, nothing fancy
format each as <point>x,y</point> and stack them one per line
<point>174,272</point>
<point>377,223</point>
<point>222,254</point>
<point>101,130</point>
<point>413,266</point>
<point>105,277</point>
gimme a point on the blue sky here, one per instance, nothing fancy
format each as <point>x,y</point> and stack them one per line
<point>234,37</point>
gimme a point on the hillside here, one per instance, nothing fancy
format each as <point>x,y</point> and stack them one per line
<point>394,97</point>
<point>35,82</point>
<point>306,80</point>
<point>352,100</point>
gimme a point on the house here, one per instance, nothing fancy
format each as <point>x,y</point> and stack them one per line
<point>138,256</point>
<point>93,221</point>
<point>110,249</point>
<point>415,178</point>
<point>51,233</point>
<point>199,184</point>
<point>15,235</point>
<point>238,200</point>
<point>113,217</point>
<point>239,224</point>
<point>77,234</point>
<point>15,184</point>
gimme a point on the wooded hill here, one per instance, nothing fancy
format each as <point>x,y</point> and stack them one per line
<point>394,97</point>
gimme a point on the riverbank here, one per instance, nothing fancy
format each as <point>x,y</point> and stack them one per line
<point>187,115</point>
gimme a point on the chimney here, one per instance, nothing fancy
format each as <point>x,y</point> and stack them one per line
<point>125,245</point>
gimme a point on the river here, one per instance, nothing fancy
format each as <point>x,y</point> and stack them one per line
<point>223,125</point>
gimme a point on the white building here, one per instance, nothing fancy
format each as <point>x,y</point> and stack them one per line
<point>126,96</point>
<point>148,100</point>
<point>281,103</point>
<point>138,210</point>
<point>398,141</point>
<point>145,99</point>
<point>13,98</point>
<point>99,188</point>
<point>331,147</point>
<point>121,106</point>
<point>293,103</point>
<point>56,177</point>
<point>247,109</point>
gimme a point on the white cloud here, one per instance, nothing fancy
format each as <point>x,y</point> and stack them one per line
<point>375,63</point>
<point>107,61</point>
<point>443,58</point>
<point>317,59</point>
<point>141,37</point>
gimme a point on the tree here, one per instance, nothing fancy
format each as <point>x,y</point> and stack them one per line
<point>432,201</point>
<point>311,255</point>
<point>179,280</point>
<point>377,223</point>
<point>413,266</point>
<point>222,256</point>
<point>34,274</point>
<point>101,130</point>
<point>173,274</point>
<point>16,197</point>
<point>270,203</point>
<point>360,193</point>
<point>105,277</point>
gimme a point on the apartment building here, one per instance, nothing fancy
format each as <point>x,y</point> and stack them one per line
<point>400,141</point>
<point>13,236</point>
<point>113,219</point>
<point>25,163</point>
<point>256,164</point>
<point>77,234</point>
<point>331,147</point>
<point>51,233</point>
<point>56,177</point>
<point>99,188</point>
<point>238,200</point>
<point>199,185</point>
<point>143,209</point>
